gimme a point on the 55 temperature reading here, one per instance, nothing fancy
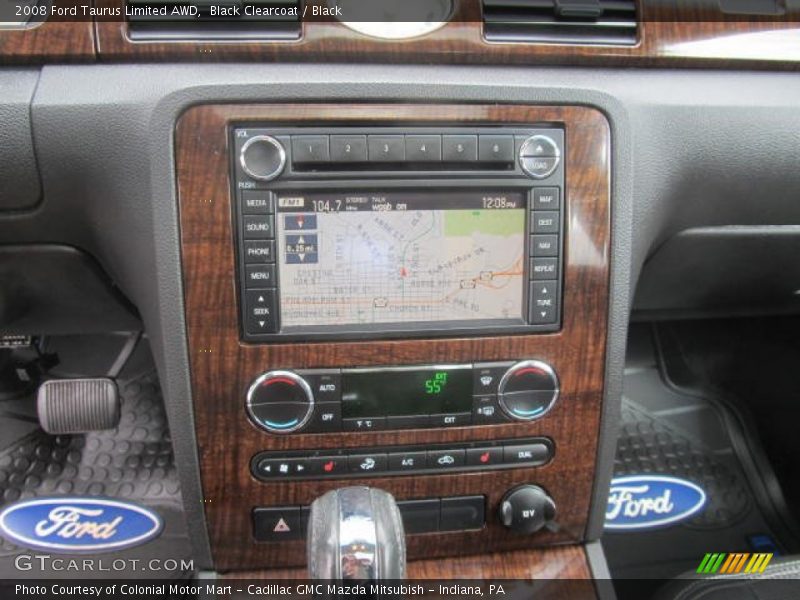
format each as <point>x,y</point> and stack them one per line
<point>435,385</point>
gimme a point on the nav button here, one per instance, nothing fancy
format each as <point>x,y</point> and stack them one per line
<point>262,314</point>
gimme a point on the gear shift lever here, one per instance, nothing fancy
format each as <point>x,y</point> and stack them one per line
<point>356,533</point>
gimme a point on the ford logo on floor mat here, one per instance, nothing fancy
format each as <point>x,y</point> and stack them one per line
<point>65,524</point>
<point>647,501</point>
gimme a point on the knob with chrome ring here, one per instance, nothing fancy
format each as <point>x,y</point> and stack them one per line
<point>528,390</point>
<point>280,402</point>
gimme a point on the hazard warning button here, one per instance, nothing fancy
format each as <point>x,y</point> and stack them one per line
<point>278,523</point>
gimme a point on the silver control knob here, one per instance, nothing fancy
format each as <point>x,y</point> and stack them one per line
<point>528,390</point>
<point>280,402</point>
<point>539,156</point>
<point>262,157</point>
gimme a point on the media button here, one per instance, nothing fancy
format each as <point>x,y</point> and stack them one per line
<point>451,420</point>
<point>257,202</point>
<point>445,459</point>
<point>259,252</point>
<point>484,457</point>
<point>364,424</point>
<point>366,464</point>
<point>407,461</point>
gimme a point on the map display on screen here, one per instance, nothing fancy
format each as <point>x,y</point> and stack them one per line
<point>400,257</point>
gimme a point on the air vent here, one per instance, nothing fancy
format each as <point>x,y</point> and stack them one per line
<point>560,21</point>
<point>214,20</point>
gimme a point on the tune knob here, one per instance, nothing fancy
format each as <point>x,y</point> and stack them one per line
<point>262,157</point>
<point>526,509</point>
<point>528,390</point>
<point>539,156</point>
<point>280,402</point>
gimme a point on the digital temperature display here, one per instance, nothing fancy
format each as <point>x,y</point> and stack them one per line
<point>406,391</point>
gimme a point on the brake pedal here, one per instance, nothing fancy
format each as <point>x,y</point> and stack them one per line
<point>78,405</point>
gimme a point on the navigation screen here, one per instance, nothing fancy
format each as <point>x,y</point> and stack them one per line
<point>400,257</point>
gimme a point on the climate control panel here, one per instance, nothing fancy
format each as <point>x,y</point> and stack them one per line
<point>408,397</point>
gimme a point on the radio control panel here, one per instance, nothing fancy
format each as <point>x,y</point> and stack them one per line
<point>365,233</point>
<point>413,397</point>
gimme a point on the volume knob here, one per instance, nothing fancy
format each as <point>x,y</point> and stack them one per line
<point>280,402</point>
<point>262,157</point>
<point>528,390</point>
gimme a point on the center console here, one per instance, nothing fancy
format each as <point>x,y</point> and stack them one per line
<point>410,297</point>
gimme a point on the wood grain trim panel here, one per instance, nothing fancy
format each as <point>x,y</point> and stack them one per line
<point>678,36</point>
<point>48,42</point>
<point>222,367</point>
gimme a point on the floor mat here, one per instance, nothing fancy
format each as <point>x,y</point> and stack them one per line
<point>670,431</point>
<point>134,462</point>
